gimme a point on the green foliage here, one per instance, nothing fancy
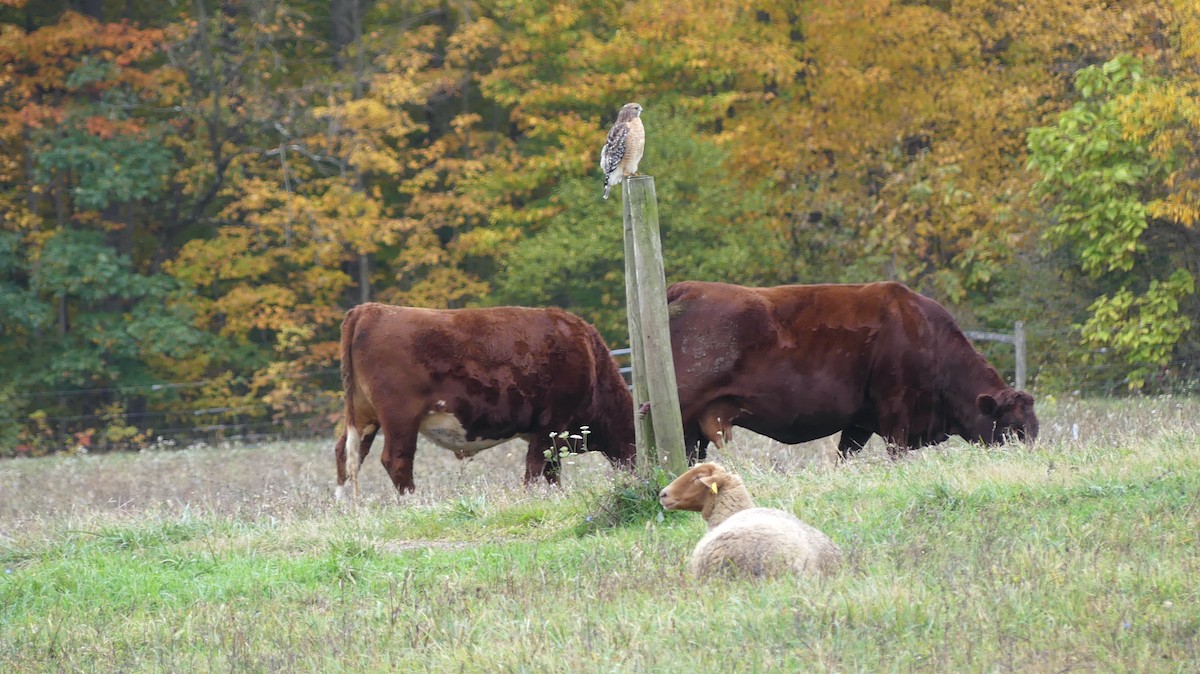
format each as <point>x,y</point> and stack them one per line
<point>629,500</point>
<point>1144,328</point>
<point>81,266</point>
<point>709,226</point>
<point>11,407</point>
<point>83,318</point>
<point>1101,179</point>
<point>1093,175</point>
<point>20,306</point>
<point>119,320</point>
<point>107,170</point>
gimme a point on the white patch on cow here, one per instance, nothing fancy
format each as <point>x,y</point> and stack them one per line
<point>353,442</point>
<point>353,447</point>
<point>445,430</point>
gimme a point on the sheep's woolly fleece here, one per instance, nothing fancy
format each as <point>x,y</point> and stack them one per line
<point>742,538</point>
<point>764,542</point>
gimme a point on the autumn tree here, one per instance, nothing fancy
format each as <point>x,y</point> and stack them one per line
<point>341,124</point>
<point>889,136</point>
<point>86,156</point>
<point>193,193</point>
<point>1119,172</point>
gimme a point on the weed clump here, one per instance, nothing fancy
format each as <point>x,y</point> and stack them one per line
<point>630,499</point>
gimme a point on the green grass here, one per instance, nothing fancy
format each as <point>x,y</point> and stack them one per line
<point>1082,553</point>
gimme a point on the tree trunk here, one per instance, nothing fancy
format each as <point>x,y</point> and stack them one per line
<point>64,325</point>
<point>347,22</point>
<point>346,17</point>
<point>364,278</point>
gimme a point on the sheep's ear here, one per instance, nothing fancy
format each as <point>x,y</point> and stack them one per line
<point>709,482</point>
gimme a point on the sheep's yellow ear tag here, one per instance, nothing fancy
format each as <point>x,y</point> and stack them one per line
<point>713,487</point>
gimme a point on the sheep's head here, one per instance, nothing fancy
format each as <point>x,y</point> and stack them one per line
<point>695,488</point>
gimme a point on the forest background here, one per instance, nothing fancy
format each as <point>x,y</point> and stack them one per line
<point>192,193</point>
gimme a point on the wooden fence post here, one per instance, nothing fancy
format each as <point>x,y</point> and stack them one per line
<point>643,427</point>
<point>1017,339</point>
<point>651,349</point>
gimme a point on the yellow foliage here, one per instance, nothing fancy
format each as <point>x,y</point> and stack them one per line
<point>471,42</point>
<point>441,287</point>
<point>263,307</point>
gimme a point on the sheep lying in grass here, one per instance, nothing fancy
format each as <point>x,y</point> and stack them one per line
<point>741,538</point>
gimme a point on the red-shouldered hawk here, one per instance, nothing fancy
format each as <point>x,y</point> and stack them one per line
<point>623,149</point>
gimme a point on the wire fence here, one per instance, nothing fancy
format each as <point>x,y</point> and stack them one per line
<point>167,414</point>
<point>309,404</point>
<point>1058,362</point>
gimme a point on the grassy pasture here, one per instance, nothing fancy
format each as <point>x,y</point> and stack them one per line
<point>1081,554</point>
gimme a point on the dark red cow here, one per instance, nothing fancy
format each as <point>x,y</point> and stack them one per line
<point>469,379</point>
<point>801,362</point>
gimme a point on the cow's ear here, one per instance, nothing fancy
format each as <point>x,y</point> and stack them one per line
<point>986,404</point>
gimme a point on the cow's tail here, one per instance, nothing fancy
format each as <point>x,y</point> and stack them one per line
<point>346,451</point>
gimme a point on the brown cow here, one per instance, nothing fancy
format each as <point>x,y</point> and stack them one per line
<point>469,379</point>
<point>801,362</point>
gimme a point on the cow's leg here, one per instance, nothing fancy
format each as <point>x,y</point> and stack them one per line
<point>695,443</point>
<point>537,464</point>
<point>368,438</point>
<point>364,447</point>
<point>399,448</point>
<point>853,439</point>
<point>893,427</point>
<point>619,462</point>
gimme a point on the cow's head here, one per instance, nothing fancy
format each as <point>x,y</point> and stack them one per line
<point>1007,413</point>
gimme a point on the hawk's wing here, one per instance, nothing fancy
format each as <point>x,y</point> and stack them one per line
<point>614,148</point>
